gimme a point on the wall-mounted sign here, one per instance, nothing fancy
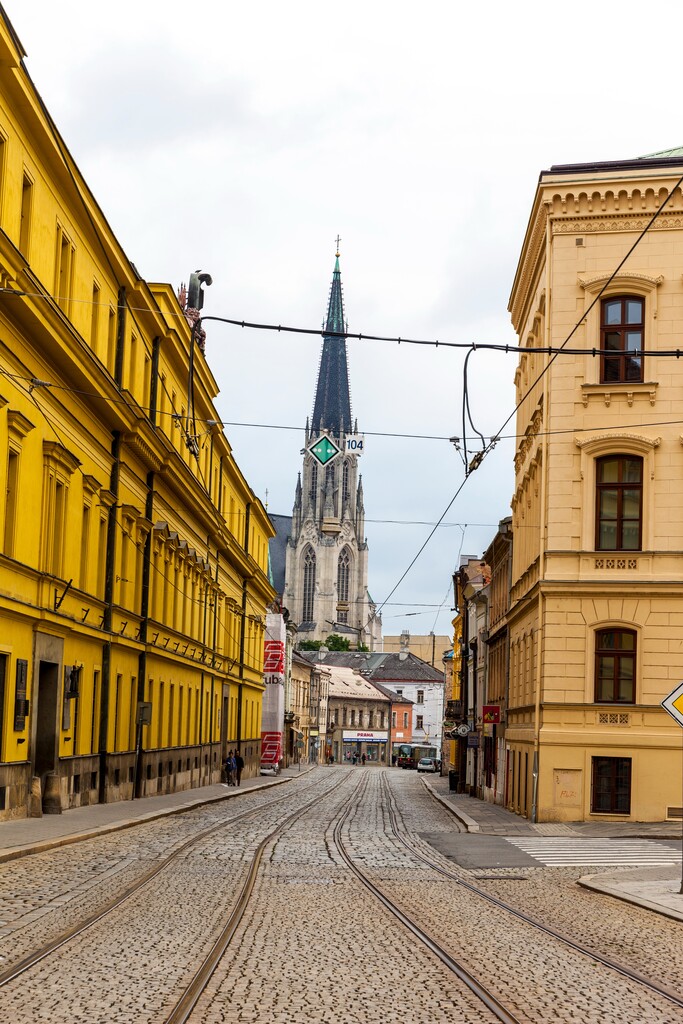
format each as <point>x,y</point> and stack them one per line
<point>490,714</point>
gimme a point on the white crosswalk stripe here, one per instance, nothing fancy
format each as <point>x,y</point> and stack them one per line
<point>564,852</point>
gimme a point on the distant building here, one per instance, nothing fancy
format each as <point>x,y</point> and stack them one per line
<point>410,679</point>
<point>430,647</point>
<point>319,559</point>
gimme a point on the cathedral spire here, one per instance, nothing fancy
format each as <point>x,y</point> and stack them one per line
<point>332,406</point>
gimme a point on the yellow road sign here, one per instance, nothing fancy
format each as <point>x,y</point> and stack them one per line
<point>674,704</point>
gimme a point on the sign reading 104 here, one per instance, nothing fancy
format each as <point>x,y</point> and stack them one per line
<point>354,444</point>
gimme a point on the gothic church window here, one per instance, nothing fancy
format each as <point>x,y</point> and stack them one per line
<point>345,483</point>
<point>309,585</point>
<point>343,566</point>
<point>314,483</point>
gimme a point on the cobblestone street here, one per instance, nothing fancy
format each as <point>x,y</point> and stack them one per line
<point>312,943</point>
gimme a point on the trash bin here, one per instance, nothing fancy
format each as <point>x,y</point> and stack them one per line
<point>453,777</point>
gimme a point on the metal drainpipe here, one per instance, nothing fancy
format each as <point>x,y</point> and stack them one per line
<point>108,612</point>
<point>144,622</point>
<point>544,540</point>
<point>247,525</point>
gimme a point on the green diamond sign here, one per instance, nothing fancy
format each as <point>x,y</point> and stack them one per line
<point>324,450</point>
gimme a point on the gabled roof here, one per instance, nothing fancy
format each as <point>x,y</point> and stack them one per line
<point>350,685</point>
<point>401,666</point>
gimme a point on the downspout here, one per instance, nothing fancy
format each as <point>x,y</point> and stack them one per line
<point>120,337</point>
<point>144,623</point>
<point>108,612</point>
<point>543,538</point>
<point>243,627</point>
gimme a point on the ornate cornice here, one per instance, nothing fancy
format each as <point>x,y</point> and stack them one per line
<point>139,447</point>
<point>612,437</point>
<point>596,282</point>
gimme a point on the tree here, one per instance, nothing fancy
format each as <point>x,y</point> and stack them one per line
<point>310,645</point>
<point>335,642</point>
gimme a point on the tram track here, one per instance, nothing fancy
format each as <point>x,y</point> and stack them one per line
<point>578,947</point>
<point>43,952</point>
<point>485,995</point>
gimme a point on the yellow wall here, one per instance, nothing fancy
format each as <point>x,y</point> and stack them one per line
<point>105,472</point>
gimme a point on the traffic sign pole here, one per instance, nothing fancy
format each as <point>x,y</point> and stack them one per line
<point>674,705</point>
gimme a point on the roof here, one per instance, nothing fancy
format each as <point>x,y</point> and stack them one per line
<point>350,685</point>
<point>332,406</point>
<point>277,550</point>
<point>401,667</point>
<point>664,158</point>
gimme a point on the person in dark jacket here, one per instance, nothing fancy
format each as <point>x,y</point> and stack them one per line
<point>239,767</point>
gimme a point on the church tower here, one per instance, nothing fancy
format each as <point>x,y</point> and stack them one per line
<point>326,569</point>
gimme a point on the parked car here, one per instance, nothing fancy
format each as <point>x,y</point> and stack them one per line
<point>270,769</point>
<point>427,764</point>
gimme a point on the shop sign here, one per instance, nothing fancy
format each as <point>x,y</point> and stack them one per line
<point>491,714</point>
<point>358,736</point>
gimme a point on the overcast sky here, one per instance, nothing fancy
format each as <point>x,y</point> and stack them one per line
<point>242,138</point>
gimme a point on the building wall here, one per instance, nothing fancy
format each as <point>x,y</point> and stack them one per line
<point>564,589</point>
<point>133,554</point>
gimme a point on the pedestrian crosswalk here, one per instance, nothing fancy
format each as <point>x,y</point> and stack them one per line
<point>564,852</point>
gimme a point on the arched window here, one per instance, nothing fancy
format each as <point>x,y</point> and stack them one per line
<point>345,483</point>
<point>619,486</point>
<point>309,585</point>
<point>343,567</point>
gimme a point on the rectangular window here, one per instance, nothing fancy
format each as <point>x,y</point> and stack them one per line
<point>20,702</point>
<point>64,266</point>
<point>94,316</point>
<point>419,722</point>
<point>420,696</point>
<point>615,666</point>
<point>26,210</point>
<point>405,719</point>
<point>353,718</point>
<point>11,501</point>
<point>94,725</point>
<point>59,525</point>
<point>621,340</point>
<point>393,719</point>
<point>399,693</point>
<point>85,547</point>
<point>619,501</point>
<point>611,785</point>
<point>111,340</point>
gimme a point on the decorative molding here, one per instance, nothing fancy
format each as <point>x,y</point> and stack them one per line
<point>609,391</point>
<point>139,447</point>
<point>19,425</point>
<point>597,281</point>
<point>57,456</point>
<point>600,440</point>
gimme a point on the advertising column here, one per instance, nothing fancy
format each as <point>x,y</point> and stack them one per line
<point>273,714</point>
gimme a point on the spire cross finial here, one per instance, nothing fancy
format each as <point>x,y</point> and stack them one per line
<point>338,240</point>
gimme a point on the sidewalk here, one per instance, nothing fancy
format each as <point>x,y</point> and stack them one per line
<point>24,836</point>
<point>654,888</point>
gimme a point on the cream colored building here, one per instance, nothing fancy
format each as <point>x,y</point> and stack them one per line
<point>596,616</point>
<point>429,647</point>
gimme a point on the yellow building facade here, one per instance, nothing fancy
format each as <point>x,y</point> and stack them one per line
<point>133,565</point>
<point>596,609</point>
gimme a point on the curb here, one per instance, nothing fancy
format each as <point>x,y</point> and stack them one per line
<point>42,846</point>
<point>469,824</point>
<point>606,889</point>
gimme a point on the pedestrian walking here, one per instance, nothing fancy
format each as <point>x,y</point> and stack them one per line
<point>354,759</point>
<point>239,767</point>
<point>362,757</point>
<point>230,768</point>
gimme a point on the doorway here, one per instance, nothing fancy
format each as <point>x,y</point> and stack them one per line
<point>46,724</point>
